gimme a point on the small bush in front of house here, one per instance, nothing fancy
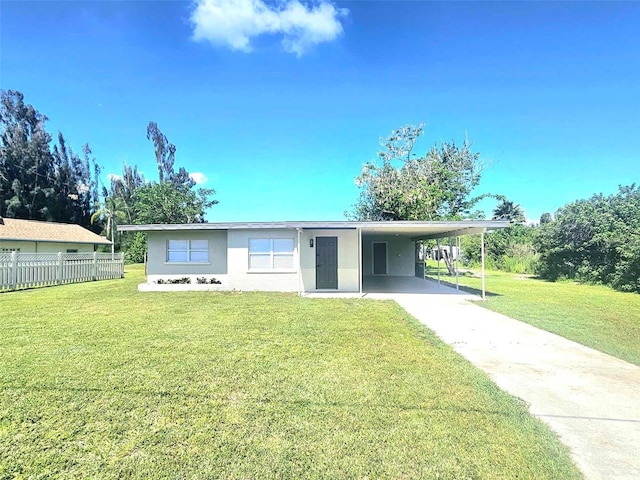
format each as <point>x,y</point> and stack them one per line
<point>174,281</point>
<point>205,280</point>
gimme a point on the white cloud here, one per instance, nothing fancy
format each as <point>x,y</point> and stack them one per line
<point>113,177</point>
<point>233,23</point>
<point>198,177</point>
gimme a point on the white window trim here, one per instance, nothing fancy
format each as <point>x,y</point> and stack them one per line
<point>189,250</point>
<point>271,255</point>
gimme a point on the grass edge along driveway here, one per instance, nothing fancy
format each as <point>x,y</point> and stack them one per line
<point>98,380</point>
<point>593,315</point>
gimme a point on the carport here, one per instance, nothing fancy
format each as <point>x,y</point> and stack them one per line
<point>392,256</point>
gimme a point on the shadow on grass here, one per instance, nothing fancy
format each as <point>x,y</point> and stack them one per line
<point>464,288</point>
<point>435,405</point>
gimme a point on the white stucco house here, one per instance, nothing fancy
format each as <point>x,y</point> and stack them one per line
<point>293,256</point>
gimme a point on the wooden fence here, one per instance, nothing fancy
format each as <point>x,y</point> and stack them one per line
<point>29,270</point>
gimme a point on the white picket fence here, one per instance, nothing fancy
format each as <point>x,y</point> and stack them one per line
<point>29,270</point>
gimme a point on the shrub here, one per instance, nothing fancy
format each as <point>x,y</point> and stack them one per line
<point>210,281</point>
<point>173,281</point>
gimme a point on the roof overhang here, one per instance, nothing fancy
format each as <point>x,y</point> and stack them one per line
<point>54,240</point>
<point>412,229</point>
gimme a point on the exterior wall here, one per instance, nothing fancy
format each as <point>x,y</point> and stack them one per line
<point>229,260</point>
<point>400,255</point>
<point>159,268</point>
<point>239,275</point>
<point>46,247</point>
<point>348,261</point>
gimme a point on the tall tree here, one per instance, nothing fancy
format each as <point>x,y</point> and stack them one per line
<point>111,213</point>
<point>26,164</point>
<point>164,203</point>
<point>125,187</point>
<point>73,186</point>
<point>508,210</point>
<point>165,158</point>
<point>405,186</point>
<point>36,181</point>
<point>172,199</point>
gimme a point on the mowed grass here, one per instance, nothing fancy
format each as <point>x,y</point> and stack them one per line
<point>100,381</point>
<point>593,315</point>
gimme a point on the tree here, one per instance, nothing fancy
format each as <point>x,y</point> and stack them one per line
<point>164,203</point>
<point>112,212</point>
<point>595,240</point>
<point>165,158</point>
<point>507,210</point>
<point>26,163</point>
<point>545,218</point>
<point>172,199</point>
<point>125,187</point>
<point>435,186</point>
<point>38,182</point>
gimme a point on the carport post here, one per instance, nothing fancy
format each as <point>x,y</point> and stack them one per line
<point>438,244</point>
<point>456,261</point>
<point>482,258</point>
<point>299,262</point>
<point>424,260</point>
<point>360,272</point>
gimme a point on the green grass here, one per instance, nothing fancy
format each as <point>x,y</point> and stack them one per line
<point>100,381</point>
<point>593,315</point>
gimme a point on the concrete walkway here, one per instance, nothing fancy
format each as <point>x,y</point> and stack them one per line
<point>590,399</point>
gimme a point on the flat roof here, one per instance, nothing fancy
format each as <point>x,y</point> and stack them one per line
<point>417,230</point>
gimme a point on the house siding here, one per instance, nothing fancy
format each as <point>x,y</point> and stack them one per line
<point>241,278</point>
<point>348,261</point>
<point>159,268</point>
<point>400,255</point>
<point>45,247</point>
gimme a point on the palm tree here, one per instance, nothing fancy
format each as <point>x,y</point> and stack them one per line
<point>113,211</point>
<point>507,210</point>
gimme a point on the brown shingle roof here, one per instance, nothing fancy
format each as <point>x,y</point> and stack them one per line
<point>14,229</point>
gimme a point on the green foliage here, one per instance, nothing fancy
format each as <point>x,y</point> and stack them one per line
<point>545,218</point>
<point>405,187</point>
<point>507,210</point>
<point>38,182</point>
<point>135,246</point>
<point>595,240</point>
<point>124,187</point>
<point>509,249</point>
<point>166,203</point>
<point>112,213</point>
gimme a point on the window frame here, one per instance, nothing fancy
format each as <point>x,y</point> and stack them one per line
<point>272,255</point>
<point>188,251</point>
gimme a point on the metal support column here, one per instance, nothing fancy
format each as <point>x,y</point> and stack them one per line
<point>482,256</point>
<point>360,272</point>
<point>438,254</point>
<point>456,263</point>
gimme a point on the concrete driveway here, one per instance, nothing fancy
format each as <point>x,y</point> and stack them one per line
<point>590,399</point>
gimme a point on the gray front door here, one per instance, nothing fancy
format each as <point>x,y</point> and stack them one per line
<point>379,258</point>
<point>327,262</point>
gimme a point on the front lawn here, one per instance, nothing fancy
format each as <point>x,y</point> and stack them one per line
<point>596,316</point>
<point>100,381</point>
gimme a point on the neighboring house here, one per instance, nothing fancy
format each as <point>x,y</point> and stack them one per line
<point>294,256</point>
<point>30,236</point>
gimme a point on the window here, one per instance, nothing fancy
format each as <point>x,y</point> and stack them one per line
<point>187,251</point>
<point>271,253</point>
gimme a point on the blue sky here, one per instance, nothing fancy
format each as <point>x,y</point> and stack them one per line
<point>279,105</point>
